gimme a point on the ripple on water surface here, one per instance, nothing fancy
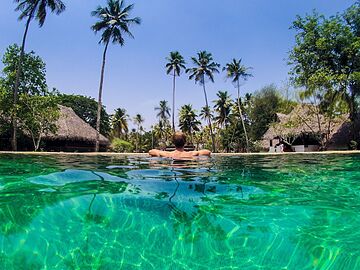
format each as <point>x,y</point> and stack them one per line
<point>276,212</point>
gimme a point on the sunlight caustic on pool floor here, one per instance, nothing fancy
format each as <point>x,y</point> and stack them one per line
<point>264,212</point>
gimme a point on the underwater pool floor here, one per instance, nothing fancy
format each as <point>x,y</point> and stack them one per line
<point>129,212</point>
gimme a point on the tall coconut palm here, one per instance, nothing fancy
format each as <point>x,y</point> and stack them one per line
<point>120,122</point>
<point>206,113</point>
<point>138,120</point>
<point>204,69</point>
<point>162,133</point>
<point>188,122</point>
<point>223,108</point>
<point>236,71</point>
<point>30,9</point>
<point>114,23</point>
<point>174,66</point>
<point>163,112</point>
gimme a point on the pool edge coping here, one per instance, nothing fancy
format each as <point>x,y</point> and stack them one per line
<point>213,154</point>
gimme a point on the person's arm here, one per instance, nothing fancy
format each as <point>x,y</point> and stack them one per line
<point>157,153</point>
<point>201,153</point>
<point>204,153</point>
<point>154,153</point>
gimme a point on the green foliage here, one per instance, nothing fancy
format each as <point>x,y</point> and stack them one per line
<point>263,108</point>
<point>148,141</point>
<point>236,71</point>
<point>138,120</point>
<point>5,109</point>
<point>38,9</point>
<point>223,106</point>
<point>120,123</point>
<point>120,146</point>
<point>204,67</point>
<point>86,109</point>
<point>163,112</point>
<point>37,116</point>
<point>353,145</point>
<point>326,56</point>
<point>33,79</point>
<point>188,122</point>
<point>175,63</point>
<point>114,21</point>
<point>162,133</point>
<point>206,113</point>
<point>36,110</point>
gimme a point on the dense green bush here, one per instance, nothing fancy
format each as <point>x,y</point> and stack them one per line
<point>353,145</point>
<point>121,146</point>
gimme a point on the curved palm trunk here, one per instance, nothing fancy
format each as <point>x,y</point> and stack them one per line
<point>98,118</point>
<point>139,143</point>
<point>173,105</point>
<point>17,83</point>
<point>242,118</point>
<point>191,135</point>
<point>209,120</point>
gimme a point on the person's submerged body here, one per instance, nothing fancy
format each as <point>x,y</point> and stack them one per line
<point>179,140</point>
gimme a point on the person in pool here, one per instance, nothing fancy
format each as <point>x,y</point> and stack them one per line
<point>179,140</point>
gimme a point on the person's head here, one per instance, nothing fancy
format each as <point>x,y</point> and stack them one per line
<point>179,139</point>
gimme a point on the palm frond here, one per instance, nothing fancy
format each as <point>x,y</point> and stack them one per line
<point>236,71</point>
<point>41,12</point>
<point>117,37</point>
<point>114,21</point>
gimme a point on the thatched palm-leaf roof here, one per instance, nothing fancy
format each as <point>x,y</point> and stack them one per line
<point>304,119</point>
<point>71,127</point>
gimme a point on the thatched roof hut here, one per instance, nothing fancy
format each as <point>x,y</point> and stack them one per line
<point>306,121</point>
<point>73,133</point>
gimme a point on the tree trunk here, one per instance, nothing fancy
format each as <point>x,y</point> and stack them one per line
<point>98,118</point>
<point>173,105</point>
<point>242,118</point>
<point>353,113</point>
<point>37,146</point>
<point>138,141</point>
<point>17,83</point>
<point>209,120</point>
<point>152,138</point>
<point>191,135</point>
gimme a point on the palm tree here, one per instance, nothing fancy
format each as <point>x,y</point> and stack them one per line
<point>236,71</point>
<point>113,22</point>
<point>204,68</point>
<point>187,120</point>
<point>206,113</point>
<point>138,120</point>
<point>30,9</point>
<point>120,122</point>
<point>163,112</point>
<point>223,107</point>
<point>175,63</point>
<point>162,133</point>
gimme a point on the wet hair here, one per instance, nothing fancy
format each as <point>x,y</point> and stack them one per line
<point>179,139</point>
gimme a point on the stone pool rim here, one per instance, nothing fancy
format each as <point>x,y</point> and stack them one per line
<point>341,152</point>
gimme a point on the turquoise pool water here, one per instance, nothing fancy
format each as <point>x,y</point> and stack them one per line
<point>253,212</point>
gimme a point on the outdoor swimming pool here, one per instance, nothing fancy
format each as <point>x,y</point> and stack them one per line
<point>248,212</point>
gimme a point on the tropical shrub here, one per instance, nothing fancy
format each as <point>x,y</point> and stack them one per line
<point>121,146</point>
<point>353,145</point>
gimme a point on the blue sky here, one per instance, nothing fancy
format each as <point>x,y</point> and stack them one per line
<point>256,31</point>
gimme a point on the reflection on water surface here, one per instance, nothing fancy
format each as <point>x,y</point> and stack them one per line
<point>253,212</point>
